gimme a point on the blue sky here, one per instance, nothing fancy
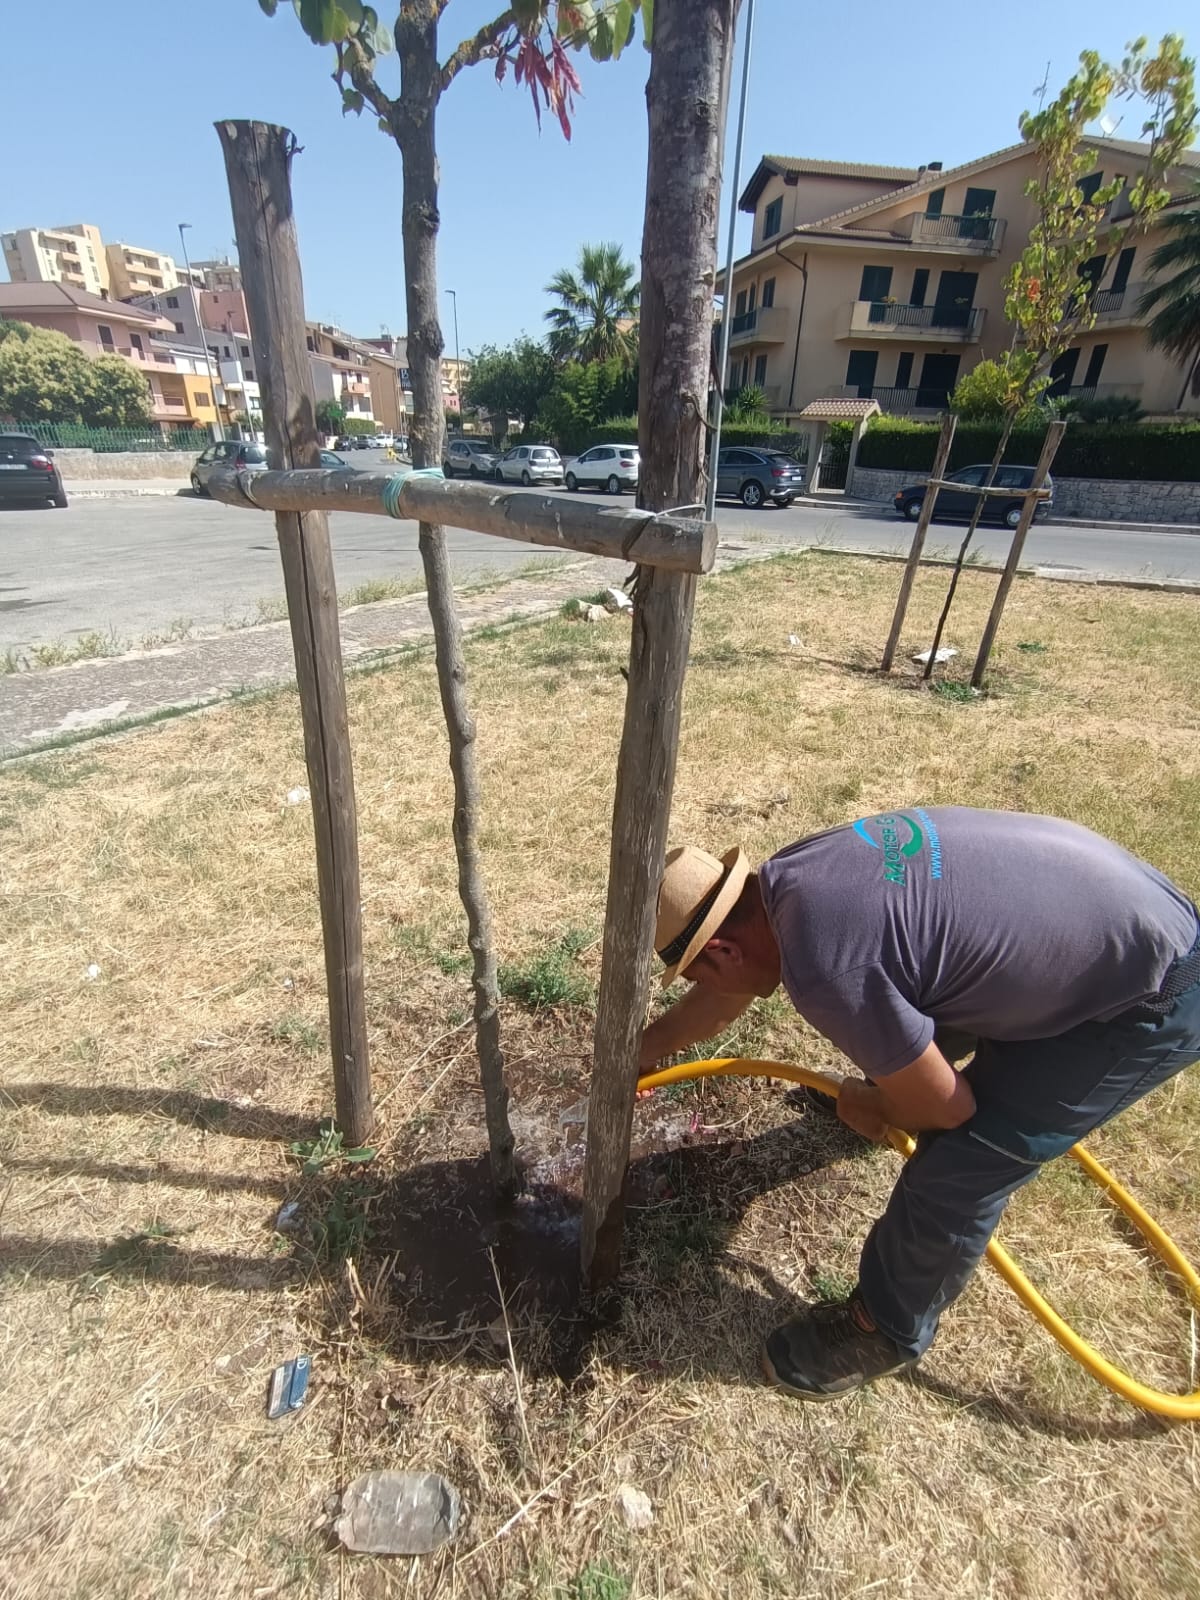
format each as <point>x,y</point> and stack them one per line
<point>131,145</point>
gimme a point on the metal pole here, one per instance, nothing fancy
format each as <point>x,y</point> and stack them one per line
<point>212,382</point>
<point>710,498</point>
<point>453,293</point>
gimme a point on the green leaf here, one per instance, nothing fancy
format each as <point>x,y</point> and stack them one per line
<point>601,42</point>
<point>648,22</point>
<point>622,26</point>
<point>268,6</point>
<point>362,1153</point>
<point>352,100</point>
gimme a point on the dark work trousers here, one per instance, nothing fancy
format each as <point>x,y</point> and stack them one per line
<point>1034,1099</point>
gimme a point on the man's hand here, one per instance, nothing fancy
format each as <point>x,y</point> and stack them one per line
<point>860,1106</point>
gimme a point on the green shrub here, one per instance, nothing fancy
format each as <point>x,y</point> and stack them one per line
<point>1089,450</point>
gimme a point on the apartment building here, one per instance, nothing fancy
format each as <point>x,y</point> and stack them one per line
<point>215,319</point>
<point>886,283</point>
<point>133,271</point>
<point>72,255</point>
<point>180,390</point>
<point>340,369</point>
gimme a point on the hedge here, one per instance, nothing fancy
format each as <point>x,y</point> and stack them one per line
<point>1162,453</point>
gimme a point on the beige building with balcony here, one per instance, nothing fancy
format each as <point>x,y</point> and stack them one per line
<point>887,283</point>
<point>133,271</point>
<point>72,255</point>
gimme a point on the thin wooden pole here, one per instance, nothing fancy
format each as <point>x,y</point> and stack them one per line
<point>1050,446</point>
<point>941,456</point>
<point>258,160</point>
<point>686,98</point>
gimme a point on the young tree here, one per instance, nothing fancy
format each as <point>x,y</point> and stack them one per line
<point>1049,296</point>
<point>1173,303</point>
<point>510,382</point>
<point>596,318</point>
<point>330,416</point>
<point>533,37</point>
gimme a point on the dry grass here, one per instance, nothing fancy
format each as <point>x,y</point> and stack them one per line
<point>148,1111</point>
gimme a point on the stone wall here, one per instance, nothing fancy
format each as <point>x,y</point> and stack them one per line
<point>1089,499</point>
<point>77,466</point>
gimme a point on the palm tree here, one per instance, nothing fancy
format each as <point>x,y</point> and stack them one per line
<point>1173,304</point>
<point>597,317</point>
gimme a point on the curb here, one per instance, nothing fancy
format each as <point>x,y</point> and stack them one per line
<point>1121,527</point>
<point>82,491</point>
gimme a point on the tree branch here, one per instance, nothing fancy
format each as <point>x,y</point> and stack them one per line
<point>355,63</point>
<point>485,43</point>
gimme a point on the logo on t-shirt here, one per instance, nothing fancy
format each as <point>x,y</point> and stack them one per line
<point>900,836</point>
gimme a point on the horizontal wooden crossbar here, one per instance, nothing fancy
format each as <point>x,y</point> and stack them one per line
<point>675,543</point>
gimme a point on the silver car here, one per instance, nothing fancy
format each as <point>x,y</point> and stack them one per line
<point>473,458</point>
<point>237,455</point>
<point>606,466</point>
<point>529,464</point>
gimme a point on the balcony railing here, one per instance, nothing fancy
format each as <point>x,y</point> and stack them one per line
<point>890,398</point>
<point>979,233</point>
<point>1097,391</point>
<point>946,323</point>
<point>1113,306</point>
<point>763,325</point>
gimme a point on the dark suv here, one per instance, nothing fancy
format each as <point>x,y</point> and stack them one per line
<point>960,502</point>
<point>27,471</point>
<point>756,476</point>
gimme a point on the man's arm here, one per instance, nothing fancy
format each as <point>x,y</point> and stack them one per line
<point>926,1094</point>
<point>699,1015</point>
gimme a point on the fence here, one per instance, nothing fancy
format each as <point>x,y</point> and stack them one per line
<point>74,436</point>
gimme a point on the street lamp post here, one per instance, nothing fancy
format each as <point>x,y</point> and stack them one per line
<point>212,382</point>
<point>453,293</point>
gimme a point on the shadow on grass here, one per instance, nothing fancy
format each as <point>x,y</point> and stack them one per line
<point>438,1252</point>
<point>185,1106</point>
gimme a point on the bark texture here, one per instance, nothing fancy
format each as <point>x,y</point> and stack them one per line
<point>686,96</point>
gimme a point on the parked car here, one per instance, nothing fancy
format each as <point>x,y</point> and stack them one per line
<point>28,473</point>
<point>613,467</point>
<point>529,464</point>
<point>470,458</point>
<point>961,503</point>
<point>756,476</point>
<point>330,458</point>
<point>384,441</point>
<point>237,455</point>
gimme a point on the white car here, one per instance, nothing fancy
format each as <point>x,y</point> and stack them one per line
<point>384,441</point>
<point>529,464</point>
<point>613,467</point>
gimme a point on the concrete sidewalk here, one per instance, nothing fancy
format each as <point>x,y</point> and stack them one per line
<point>53,706</point>
<point>123,488</point>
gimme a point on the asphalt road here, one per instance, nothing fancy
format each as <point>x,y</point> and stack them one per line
<point>133,568</point>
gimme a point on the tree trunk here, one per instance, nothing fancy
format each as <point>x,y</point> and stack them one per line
<point>414,130</point>
<point>686,95</point>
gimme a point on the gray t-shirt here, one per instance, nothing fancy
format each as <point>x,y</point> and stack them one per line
<point>1003,925</point>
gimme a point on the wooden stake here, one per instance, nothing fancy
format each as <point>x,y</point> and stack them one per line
<point>1050,446</point>
<point>258,165</point>
<point>941,456</point>
<point>686,97</point>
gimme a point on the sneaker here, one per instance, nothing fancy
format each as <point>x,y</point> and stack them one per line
<point>830,1350</point>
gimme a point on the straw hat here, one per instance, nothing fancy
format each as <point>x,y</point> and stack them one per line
<point>698,892</point>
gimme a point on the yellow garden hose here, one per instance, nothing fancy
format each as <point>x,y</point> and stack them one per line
<point>1183,1407</point>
